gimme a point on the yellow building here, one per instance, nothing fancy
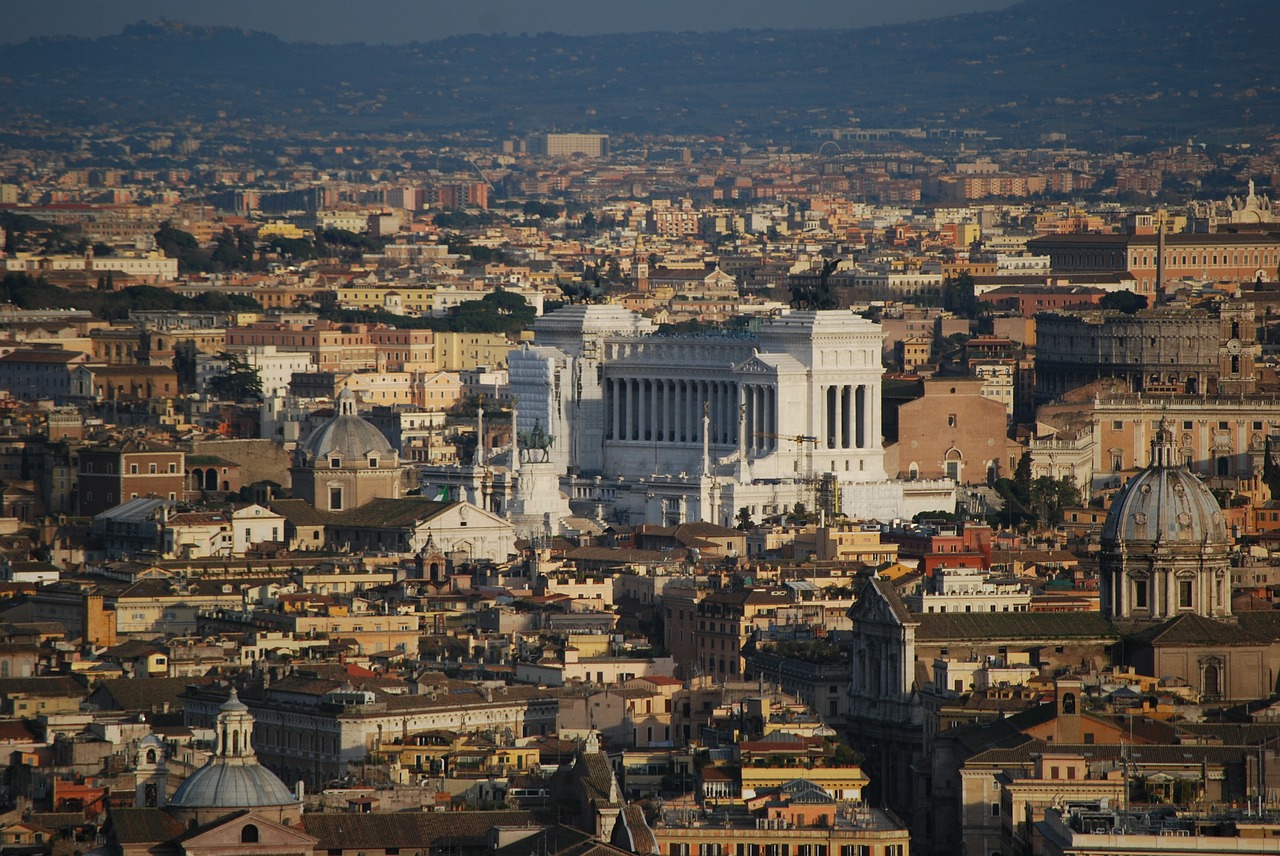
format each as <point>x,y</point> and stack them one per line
<point>397,300</point>
<point>459,351</point>
<point>844,783</point>
<point>280,229</point>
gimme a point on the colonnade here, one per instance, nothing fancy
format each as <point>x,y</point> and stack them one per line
<point>671,411</point>
<point>760,417</point>
<point>849,417</point>
<point>661,410</point>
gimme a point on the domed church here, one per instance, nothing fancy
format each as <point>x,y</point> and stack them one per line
<point>1165,580</point>
<point>233,779</point>
<point>1165,545</point>
<point>232,804</point>
<point>346,462</point>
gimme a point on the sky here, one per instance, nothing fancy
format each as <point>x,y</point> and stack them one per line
<point>398,21</point>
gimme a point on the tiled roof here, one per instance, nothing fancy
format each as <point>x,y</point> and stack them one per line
<point>640,838</point>
<point>391,513</point>
<point>411,831</point>
<point>597,778</point>
<point>1164,754</point>
<point>1262,622</point>
<point>199,518</point>
<point>957,626</point>
<point>299,512</point>
<point>143,825</point>
<point>889,593</point>
<point>1197,630</point>
<point>17,731</point>
<point>147,693</point>
<point>33,356</point>
<point>623,555</point>
<point>57,685</point>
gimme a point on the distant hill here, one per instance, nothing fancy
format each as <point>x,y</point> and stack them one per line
<point>1089,68</point>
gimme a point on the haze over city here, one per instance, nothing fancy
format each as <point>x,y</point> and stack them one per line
<point>668,429</point>
<point>399,21</point>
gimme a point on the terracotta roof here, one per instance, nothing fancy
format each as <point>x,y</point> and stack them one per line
<point>143,825</point>
<point>640,838</point>
<point>299,512</point>
<point>956,626</point>
<point>412,831</point>
<point>391,513</point>
<point>26,356</point>
<point>17,731</point>
<point>148,693</point>
<point>56,685</point>
<point>1198,631</point>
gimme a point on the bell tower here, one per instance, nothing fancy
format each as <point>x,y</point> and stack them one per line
<point>1238,348</point>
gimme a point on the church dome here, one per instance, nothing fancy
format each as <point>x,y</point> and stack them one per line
<point>1164,503</point>
<point>227,786</point>
<point>233,777</point>
<point>347,435</point>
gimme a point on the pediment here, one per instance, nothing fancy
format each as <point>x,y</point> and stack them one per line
<point>227,836</point>
<point>755,365</point>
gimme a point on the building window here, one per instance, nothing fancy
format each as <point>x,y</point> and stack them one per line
<point>152,469</point>
<point>133,469</point>
<point>335,499</point>
<point>1140,594</point>
<point>995,809</point>
<point>1184,594</point>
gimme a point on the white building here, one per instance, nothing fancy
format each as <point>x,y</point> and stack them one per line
<point>669,429</point>
<point>969,590</point>
<point>275,367</point>
<point>254,524</point>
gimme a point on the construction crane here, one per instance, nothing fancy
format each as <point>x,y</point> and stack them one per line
<point>806,476</point>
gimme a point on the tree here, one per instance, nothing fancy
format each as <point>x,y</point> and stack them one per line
<point>543,210</point>
<point>1022,479</point>
<point>1123,301</point>
<point>958,296</point>
<point>239,382</point>
<point>1050,496</point>
<point>184,364</point>
<point>744,519</point>
<point>182,246</point>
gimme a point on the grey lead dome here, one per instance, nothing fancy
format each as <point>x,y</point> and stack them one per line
<point>232,778</point>
<point>232,786</point>
<point>1165,503</point>
<point>347,435</point>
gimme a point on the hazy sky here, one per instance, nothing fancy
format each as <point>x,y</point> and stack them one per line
<point>392,21</point>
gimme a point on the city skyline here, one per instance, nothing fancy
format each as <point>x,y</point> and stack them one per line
<point>404,21</point>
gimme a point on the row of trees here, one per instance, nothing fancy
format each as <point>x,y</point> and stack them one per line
<point>236,250</point>
<point>27,292</point>
<point>497,312</point>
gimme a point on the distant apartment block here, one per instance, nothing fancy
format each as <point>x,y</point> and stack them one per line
<point>565,145</point>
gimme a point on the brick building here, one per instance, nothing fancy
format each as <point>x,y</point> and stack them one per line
<point>1217,257</point>
<point>952,431</point>
<point>110,475</point>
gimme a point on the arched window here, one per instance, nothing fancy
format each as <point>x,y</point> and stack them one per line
<point>248,834</point>
<point>151,756</point>
<point>1069,703</point>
